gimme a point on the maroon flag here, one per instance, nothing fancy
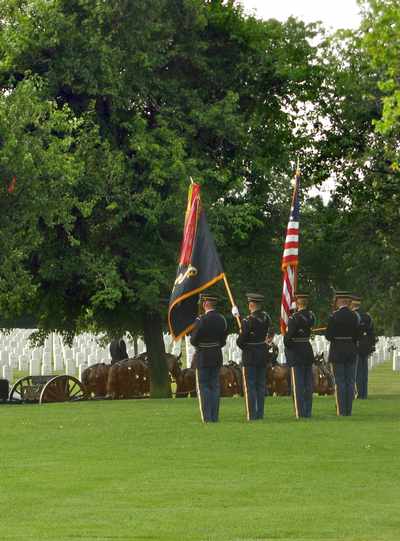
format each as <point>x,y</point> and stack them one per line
<point>199,267</point>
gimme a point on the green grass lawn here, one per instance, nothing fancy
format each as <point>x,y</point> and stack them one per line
<point>149,470</point>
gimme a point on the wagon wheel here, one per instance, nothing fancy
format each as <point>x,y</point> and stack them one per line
<point>62,389</point>
<point>17,390</point>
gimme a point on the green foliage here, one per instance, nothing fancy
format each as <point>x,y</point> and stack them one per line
<point>123,103</point>
<point>108,109</point>
<point>359,156</point>
<point>381,31</point>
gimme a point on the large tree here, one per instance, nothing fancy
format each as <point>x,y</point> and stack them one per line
<point>107,110</point>
<point>380,39</point>
<point>355,145</point>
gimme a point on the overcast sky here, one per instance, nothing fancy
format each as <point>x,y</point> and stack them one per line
<point>333,13</point>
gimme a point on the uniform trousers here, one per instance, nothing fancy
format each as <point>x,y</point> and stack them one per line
<point>345,377</point>
<point>254,381</point>
<point>362,376</point>
<point>302,388</point>
<point>208,392</point>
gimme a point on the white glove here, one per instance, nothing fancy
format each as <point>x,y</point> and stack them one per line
<point>235,311</point>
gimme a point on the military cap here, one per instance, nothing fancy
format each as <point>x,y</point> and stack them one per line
<point>343,294</point>
<point>255,297</point>
<point>206,297</point>
<point>356,298</point>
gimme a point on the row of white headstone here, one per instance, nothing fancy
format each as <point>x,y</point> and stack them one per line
<point>55,357</point>
<point>387,349</point>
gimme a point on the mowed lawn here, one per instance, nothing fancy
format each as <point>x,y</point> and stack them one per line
<point>148,469</point>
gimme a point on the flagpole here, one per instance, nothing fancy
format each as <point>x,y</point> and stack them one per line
<point>228,289</point>
<point>289,265</point>
<point>296,270</point>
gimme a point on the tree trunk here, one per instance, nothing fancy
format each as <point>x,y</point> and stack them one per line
<point>153,336</point>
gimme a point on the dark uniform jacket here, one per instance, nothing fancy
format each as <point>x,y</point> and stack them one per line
<point>208,337</point>
<point>343,331</point>
<point>366,343</point>
<point>297,338</point>
<point>251,340</point>
<point>118,351</point>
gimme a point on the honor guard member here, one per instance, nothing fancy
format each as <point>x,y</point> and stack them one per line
<point>252,342</point>
<point>208,337</point>
<point>300,356</point>
<point>118,350</point>
<point>365,347</point>
<point>343,331</point>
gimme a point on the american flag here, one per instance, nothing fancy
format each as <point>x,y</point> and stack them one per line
<point>290,256</point>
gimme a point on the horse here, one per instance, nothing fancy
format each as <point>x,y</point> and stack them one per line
<point>228,381</point>
<point>128,379</point>
<point>238,376</point>
<point>323,380</point>
<point>186,383</point>
<point>94,380</point>
<point>278,380</point>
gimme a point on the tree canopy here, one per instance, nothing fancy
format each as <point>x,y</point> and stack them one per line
<point>108,108</point>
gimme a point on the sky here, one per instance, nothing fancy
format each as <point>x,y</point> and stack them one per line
<point>333,13</point>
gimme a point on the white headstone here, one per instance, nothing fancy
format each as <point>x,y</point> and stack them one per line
<point>46,369</point>
<point>4,357</point>
<point>23,364</point>
<point>37,355</point>
<point>34,367</point>
<point>189,351</point>
<point>141,346</point>
<point>70,367</point>
<point>7,373</point>
<point>81,368</point>
<point>177,348</point>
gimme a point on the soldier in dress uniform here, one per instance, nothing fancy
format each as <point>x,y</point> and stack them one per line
<point>118,350</point>
<point>300,356</point>
<point>208,337</point>
<point>252,342</point>
<point>343,331</point>
<point>365,347</point>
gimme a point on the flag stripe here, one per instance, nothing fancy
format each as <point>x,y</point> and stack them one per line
<point>290,257</point>
<point>292,248</point>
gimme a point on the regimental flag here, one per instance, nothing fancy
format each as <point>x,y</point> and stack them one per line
<point>290,258</point>
<point>199,267</point>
